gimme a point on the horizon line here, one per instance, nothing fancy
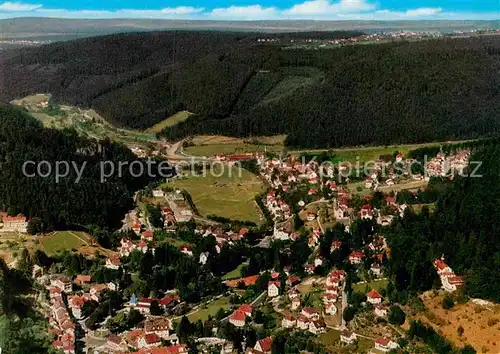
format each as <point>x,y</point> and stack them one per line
<point>240,20</point>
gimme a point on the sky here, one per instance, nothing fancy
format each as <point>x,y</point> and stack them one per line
<point>258,9</point>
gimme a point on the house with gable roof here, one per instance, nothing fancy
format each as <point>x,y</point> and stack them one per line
<point>264,345</point>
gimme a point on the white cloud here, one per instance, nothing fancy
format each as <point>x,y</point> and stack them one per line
<point>166,13</point>
<point>424,11</point>
<point>18,7</point>
<point>306,10</point>
<point>328,8</point>
<point>182,10</point>
<point>252,12</point>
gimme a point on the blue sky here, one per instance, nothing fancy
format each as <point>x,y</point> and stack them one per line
<point>257,9</point>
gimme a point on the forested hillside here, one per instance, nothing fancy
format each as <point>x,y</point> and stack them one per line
<point>464,228</point>
<point>366,94</point>
<point>71,200</point>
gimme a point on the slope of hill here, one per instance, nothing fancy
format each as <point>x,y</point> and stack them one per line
<point>75,197</point>
<point>370,94</point>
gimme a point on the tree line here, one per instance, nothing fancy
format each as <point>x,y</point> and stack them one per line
<point>79,199</point>
<point>464,227</point>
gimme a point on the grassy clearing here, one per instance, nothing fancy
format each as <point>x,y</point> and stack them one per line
<point>220,139</point>
<point>210,310</point>
<point>63,240</point>
<point>376,284</point>
<point>170,121</point>
<point>175,241</point>
<point>85,122</point>
<point>286,87</point>
<point>210,145</point>
<point>235,273</point>
<point>403,186</point>
<point>329,338</point>
<point>418,207</point>
<point>212,150</point>
<point>365,345</point>
<point>231,195</point>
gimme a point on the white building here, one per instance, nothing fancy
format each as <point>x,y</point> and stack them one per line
<point>14,224</point>
<point>347,336</point>
<point>385,344</point>
<point>273,288</point>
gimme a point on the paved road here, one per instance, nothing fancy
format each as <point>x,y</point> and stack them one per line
<point>176,153</point>
<point>344,305</point>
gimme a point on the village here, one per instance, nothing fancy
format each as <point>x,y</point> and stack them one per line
<point>304,201</point>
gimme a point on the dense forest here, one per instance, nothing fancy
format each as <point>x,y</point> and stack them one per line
<point>369,94</point>
<point>71,200</point>
<point>464,228</point>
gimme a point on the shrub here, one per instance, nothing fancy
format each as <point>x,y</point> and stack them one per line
<point>447,303</point>
<point>492,322</point>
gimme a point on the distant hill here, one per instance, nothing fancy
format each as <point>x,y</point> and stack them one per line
<point>70,28</point>
<point>355,95</point>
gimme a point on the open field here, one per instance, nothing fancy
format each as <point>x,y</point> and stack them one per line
<point>403,186</point>
<point>210,310</point>
<point>353,187</point>
<point>228,149</point>
<point>175,241</point>
<point>12,243</point>
<point>365,345</point>
<point>481,324</point>
<point>235,273</point>
<point>219,139</point>
<point>63,240</point>
<point>231,195</point>
<point>170,121</point>
<point>329,338</point>
<point>417,208</point>
<point>376,284</point>
<point>211,145</point>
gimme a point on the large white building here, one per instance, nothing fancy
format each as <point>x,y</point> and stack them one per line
<point>14,224</point>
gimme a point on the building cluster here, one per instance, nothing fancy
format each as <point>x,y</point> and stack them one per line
<point>17,223</point>
<point>302,318</point>
<point>221,235</point>
<point>67,301</point>
<point>291,172</point>
<point>382,344</point>
<point>279,209</point>
<point>25,42</point>
<point>60,322</point>
<point>141,341</point>
<point>239,317</point>
<point>309,319</point>
<point>152,150</point>
<point>449,280</point>
<point>178,211</point>
<point>364,38</point>
<point>447,165</point>
<point>233,158</point>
